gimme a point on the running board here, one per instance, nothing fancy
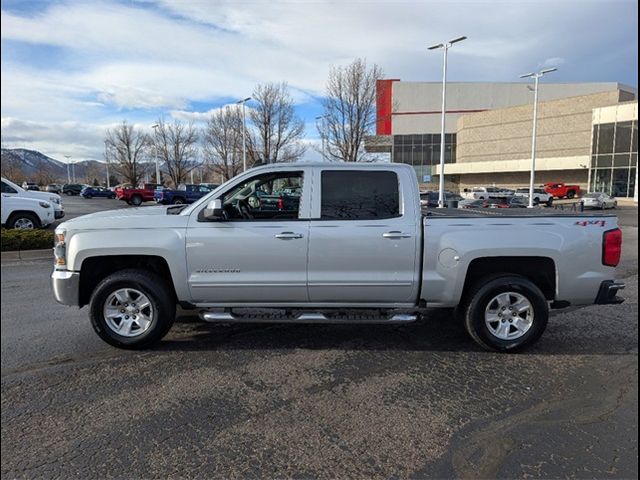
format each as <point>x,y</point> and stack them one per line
<point>307,317</point>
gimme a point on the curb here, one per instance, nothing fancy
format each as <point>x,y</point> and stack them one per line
<point>19,255</point>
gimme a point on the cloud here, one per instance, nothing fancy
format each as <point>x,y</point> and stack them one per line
<point>552,62</point>
<point>84,64</point>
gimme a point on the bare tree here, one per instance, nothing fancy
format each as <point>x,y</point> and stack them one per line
<point>279,132</point>
<point>177,145</point>
<point>222,143</point>
<point>126,146</point>
<point>349,110</point>
<point>10,167</point>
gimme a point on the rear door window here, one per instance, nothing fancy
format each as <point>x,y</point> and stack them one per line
<point>359,195</point>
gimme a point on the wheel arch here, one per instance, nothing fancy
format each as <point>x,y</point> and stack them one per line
<point>539,270</point>
<point>94,269</point>
<point>16,213</point>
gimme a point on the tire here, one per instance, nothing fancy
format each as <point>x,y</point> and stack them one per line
<point>482,300</point>
<point>536,201</point>
<point>550,202</point>
<point>615,205</point>
<point>178,201</point>
<point>23,221</point>
<point>571,194</point>
<point>136,200</point>
<point>88,196</point>
<point>161,310</point>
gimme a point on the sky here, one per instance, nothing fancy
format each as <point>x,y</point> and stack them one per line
<point>71,69</point>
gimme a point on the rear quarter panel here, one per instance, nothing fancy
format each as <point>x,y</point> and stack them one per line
<point>573,243</point>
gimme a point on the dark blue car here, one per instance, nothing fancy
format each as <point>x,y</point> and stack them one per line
<point>90,192</point>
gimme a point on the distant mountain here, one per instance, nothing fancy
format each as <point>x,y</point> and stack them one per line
<point>19,164</point>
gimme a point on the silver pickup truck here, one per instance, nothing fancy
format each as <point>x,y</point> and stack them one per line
<point>318,243</point>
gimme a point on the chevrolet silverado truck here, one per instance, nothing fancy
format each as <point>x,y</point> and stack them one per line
<point>136,196</point>
<point>351,245</point>
<point>186,193</point>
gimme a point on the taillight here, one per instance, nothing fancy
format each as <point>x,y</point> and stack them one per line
<point>611,247</point>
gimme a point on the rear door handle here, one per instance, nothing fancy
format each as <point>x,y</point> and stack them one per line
<point>396,234</point>
<point>288,235</point>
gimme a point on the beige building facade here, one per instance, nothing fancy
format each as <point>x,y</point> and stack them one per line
<point>489,132</point>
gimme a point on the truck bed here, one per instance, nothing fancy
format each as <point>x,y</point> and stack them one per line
<point>509,212</point>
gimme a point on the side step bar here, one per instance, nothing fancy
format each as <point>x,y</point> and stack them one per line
<point>305,317</point>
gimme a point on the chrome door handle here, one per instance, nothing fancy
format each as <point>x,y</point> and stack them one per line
<point>396,234</point>
<point>288,235</point>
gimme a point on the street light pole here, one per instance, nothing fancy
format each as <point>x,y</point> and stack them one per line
<point>155,151</point>
<point>322,119</point>
<point>445,46</point>
<point>536,78</point>
<point>106,159</point>
<point>68,172</point>
<point>244,134</point>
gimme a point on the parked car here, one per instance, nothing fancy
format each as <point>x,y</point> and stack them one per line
<point>480,193</point>
<point>100,192</point>
<point>430,198</point>
<point>505,202</point>
<point>72,188</point>
<point>10,189</point>
<point>599,200</point>
<point>212,186</point>
<point>25,213</point>
<point>540,195</point>
<point>496,202</point>
<point>54,188</point>
<point>356,241</point>
<point>562,190</point>
<point>136,196</point>
<point>31,186</point>
<point>186,193</point>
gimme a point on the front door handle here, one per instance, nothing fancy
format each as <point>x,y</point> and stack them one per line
<point>288,235</point>
<point>396,234</point>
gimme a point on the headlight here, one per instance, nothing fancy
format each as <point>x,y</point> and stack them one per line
<point>55,200</point>
<point>45,204</point>
<point>60,247</point>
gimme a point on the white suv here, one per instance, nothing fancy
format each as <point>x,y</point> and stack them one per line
<point>26,213</point>
<point>11,189</point>
<point>539,195</point>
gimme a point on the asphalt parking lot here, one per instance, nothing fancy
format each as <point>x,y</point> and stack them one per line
<point>229,401</point>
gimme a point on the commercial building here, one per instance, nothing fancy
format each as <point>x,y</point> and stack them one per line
<point>488,132</point>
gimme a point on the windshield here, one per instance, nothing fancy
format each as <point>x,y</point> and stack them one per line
<point>593,195</point>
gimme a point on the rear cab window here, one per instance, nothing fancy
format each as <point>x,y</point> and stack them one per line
<point>359,195</point>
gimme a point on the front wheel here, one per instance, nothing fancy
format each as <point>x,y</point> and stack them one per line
<point>505,313</point>
<point>571,194</point>
<point>23,221</point>
<point>132,309</point>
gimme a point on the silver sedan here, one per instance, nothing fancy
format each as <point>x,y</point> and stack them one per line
<point>599,200</point>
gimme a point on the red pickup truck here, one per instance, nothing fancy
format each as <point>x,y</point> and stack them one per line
<point>135,196</point>
<point>562,190</point>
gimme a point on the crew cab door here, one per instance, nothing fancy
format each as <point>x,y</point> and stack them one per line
<point>258,254</point>
<point>364,238</point>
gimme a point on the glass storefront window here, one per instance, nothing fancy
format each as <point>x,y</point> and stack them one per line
<point>621,160</point>
<point>603,161</point>
<point>623,137</point>
<point>634,137</point>
<point>620,184</point>
<point>594,145</point>
<point>605,138</point>
<point>601,180</point>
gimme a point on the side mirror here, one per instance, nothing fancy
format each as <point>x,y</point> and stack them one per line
<point>213,210</point>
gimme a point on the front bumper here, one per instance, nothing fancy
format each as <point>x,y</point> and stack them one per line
<point>607,294</point>
<point>66,286</point>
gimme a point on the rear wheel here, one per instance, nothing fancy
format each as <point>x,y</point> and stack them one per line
<point>550,202</point>
<point>505,313</point>
<point>178,201</point>
<point>571,194</point>
<point>136,200</point>
<point>23,221</point>
<point>132,309</point>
